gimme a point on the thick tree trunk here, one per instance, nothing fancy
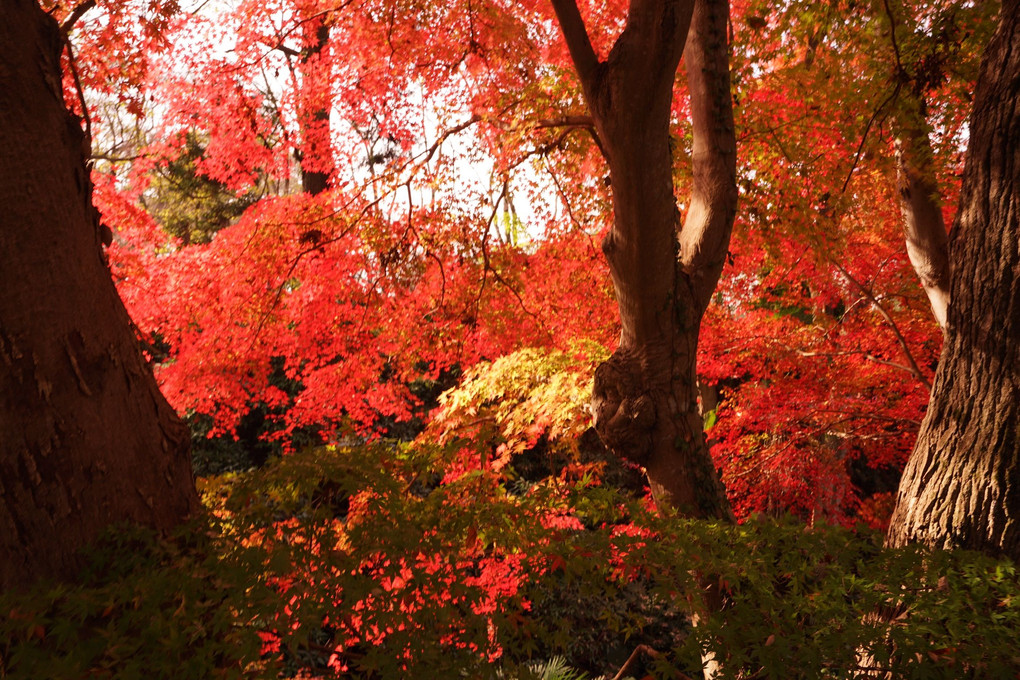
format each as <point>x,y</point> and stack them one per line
<point>961,486</point>
<point>645,396</point>
<point>86,439</point>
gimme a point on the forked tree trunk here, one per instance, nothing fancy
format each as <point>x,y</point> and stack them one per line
<point>86,439</point>
<point>645,396</point>
<point>961,486</point>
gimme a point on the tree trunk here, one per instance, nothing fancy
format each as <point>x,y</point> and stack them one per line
<point>316,156</point>
<point>923,226</point>
<point>645,396</point>
<point>961,486</point>
<point>86,439</point>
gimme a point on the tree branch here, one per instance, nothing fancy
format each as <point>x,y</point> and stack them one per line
<point>574,121</point>
<point>289,51</point>
<point>864,136</point>
<point>900,71</point>
<point>81,94</point>
<point>914,369</point>
<point>705,235</point>
<point>75,14</point>
<point>923,225</point>
<point>566,120</point>
<point>634,659</point>
<point>110,157</point>
<point>578,42</point>
<point>861,353</point>
<point>656,30</point>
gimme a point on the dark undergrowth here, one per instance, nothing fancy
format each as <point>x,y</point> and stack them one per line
<point>373,562</point>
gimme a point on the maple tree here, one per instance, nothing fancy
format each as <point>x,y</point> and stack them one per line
<point>848,347</point>
<point>232,160</point>
<point>378,213</point>
<point>334,310</point>
<point>444,260</point>
<point>645,397</point>
<point>825,352</point>
<point>930,60</point>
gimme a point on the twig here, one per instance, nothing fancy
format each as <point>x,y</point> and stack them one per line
<point>487,265</point>
<point>563,197</point>
<point>867,129</point>
<point>73,17</point>
<point>915,370</point>
<point>81,94</point>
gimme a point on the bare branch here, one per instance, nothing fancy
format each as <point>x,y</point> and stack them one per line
<point>76,13</point>
<point>914,369</point>
<point>578,42</point>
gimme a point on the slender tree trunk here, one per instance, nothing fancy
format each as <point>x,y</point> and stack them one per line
<point>923,226</point>
<point>316,154</point>
<point>961,486</point>
<point>86,439</point>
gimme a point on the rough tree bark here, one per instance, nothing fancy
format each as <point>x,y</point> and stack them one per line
<point>86,439</point>
<point>961,486</point>
<point>645,396</point>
